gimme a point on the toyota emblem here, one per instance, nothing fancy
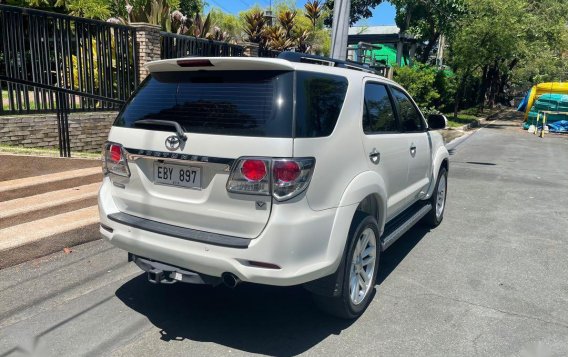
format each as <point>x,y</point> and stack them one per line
<point>172,143</point>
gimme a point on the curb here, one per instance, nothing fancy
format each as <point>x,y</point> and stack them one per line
<point>477,122</point>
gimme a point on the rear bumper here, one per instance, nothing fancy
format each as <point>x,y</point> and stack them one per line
<point>304,243</point>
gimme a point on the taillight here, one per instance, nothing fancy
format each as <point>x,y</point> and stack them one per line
<point>290,177</point>
<point>254,170</point>
<point>283,178</point>
<point>114,160</point>
<point>286,171</point>
<point>250,176</point>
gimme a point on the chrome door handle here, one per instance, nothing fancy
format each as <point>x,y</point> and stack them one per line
<point>412,150</point>
<point>375,156</point>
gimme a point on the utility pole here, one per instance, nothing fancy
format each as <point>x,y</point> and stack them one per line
<point>340,29</point>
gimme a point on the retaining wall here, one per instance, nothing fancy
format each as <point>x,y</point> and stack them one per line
<point>87,131</point>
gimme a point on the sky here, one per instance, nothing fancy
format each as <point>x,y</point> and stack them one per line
<point>382,15</point>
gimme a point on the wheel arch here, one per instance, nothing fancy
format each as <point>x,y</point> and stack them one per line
<point>440,159</point>
<point>368,192</point>
<point>365,193</point>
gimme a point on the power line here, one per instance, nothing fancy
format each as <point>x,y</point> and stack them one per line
<point>245,3</point>
<point>220,6</point>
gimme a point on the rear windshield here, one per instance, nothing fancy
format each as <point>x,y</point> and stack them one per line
<point>251,103</point>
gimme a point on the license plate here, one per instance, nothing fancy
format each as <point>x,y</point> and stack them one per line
<point>177,175</point>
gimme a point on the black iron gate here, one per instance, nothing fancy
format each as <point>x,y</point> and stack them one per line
<point>88,57</point>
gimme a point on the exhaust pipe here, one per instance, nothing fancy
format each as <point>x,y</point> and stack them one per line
<point>230,280</point>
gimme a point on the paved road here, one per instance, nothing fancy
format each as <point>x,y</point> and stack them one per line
<point>492,280</point>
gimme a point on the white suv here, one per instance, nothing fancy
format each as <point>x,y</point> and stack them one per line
<point>271,171</point>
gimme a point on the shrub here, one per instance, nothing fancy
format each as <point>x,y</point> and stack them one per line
<point>432,89</point>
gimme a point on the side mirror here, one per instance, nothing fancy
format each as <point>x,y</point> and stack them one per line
<point>437,121</point>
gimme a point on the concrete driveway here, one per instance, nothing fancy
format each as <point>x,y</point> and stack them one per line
<point>492,280</point>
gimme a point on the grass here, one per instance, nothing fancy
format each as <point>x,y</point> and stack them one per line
<point>6,104</point>
<point>7,149</point>
<point>461,120</point>
<point>470,115</point>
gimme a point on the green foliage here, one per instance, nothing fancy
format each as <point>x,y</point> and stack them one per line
<point>428,20</point>
<point>228,23</point>
<point>91,9</point>
<point>461,120</point>
<point>154,12</point>
<point>253,26</point>
<point>360,9</point>
<point>190,7</point>
<point>314,10</point>
<point>293,28</point>
<point>502,47</point>
<point>431,88</point>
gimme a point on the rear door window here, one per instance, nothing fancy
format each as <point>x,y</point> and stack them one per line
<point>410,117</point>
<point>378,113</point>
<point>252,103</point>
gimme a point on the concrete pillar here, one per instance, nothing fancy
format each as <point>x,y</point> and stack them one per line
<point>251,49</point>
<point>147,44</point>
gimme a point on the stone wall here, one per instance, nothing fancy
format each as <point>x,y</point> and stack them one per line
<point>87,131</point>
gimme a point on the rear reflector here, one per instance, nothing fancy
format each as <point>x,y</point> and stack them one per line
<point>263,265</point>
<point>194,63</point>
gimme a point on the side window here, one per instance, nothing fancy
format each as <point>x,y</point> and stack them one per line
<point>410,118</point>
<point>378,114</point>
<point>319,99</point>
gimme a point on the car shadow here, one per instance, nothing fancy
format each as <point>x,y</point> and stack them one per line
<point>277,321</point>
<point>396,253</point>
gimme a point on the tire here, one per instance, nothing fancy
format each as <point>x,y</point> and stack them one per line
<point>351,303</point>
<point>438,200</point>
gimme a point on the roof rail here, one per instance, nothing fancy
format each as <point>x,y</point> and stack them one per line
<point>325,61</point>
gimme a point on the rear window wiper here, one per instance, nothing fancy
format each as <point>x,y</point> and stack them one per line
<point>179,130</point>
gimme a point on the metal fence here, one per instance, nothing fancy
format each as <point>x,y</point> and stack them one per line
<point>175,46</point>
<point>58,51</point>
<point>265,52</point>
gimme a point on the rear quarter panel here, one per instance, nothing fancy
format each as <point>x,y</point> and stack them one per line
<point>339,157</point>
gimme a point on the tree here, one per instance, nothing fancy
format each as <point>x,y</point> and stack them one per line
<point>190,8</point>
<point>498,40</point>
<point>228,23</point>
<point>428,20</point>
<point>360,9</point>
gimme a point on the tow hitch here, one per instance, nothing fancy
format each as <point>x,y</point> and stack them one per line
<point>161,273</point>
<point>156,276</point>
